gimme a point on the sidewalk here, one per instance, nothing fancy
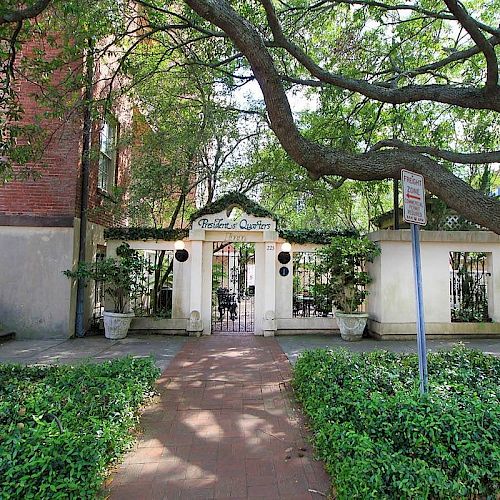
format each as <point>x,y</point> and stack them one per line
<point>94,349</point>
<point>225,427</point>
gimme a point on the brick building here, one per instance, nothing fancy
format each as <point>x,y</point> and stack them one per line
<point>40,218</point>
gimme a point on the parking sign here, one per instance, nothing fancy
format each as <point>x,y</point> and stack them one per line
<point>414,210</point>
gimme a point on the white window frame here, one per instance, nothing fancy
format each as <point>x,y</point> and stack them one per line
<point>106,177</point>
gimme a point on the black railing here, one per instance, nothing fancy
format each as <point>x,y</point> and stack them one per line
<point>307,302</point>
<point>155,285</point>
<point>469,287</point>
<point>98,307</point>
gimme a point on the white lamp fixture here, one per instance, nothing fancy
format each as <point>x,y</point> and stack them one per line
<point>284,256</point>
<point>181,254</point>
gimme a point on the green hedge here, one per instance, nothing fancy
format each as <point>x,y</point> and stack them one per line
<point>144,233</point>
<point>300,236</point>
<point>380,439</point>
<point>317,236</point>
<point>61,427</point>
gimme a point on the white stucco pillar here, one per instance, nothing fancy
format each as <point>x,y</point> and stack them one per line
<point>206,287</point>
<point>200,277</point>
<point>195,292</point>
<point>259,288</point>
<point>111,247</point>
<point>494,284</point>
<point>269,284</point>
<point>436,282</point>
<point>284,288</point>
<point>181,287</point>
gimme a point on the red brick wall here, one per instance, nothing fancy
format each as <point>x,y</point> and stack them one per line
<point>53,194</point>
<point>58,190</point>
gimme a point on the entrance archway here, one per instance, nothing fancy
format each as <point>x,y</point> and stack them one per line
<point>233,288</point>
<point>233,266</point>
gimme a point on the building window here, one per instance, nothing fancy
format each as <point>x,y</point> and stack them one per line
<point>107,154</point>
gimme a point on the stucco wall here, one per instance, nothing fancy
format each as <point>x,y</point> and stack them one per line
<point>180,287</point>
<point>36,299</point>
<point>192,288</point>
<point>391,303</point>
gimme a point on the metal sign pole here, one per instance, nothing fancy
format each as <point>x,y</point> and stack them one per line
<point>417,271</point>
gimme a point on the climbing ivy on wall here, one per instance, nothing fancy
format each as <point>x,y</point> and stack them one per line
<point>228,201</point>
<point>144,233</point>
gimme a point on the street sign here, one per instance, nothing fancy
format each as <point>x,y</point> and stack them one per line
<point>419,301</point>
<point>414,212</point>
<point>413,198</point>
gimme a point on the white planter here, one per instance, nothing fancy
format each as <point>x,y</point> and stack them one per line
<point>351,325</point>
<point>116,325</point>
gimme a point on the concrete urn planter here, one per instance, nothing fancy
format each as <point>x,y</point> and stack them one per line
<point>116,325</point>
<point>351,325</point>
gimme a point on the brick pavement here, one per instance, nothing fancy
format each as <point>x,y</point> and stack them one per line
<point>225,426</point>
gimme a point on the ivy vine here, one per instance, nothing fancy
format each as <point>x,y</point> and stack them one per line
<point>231,200</point>
<point>144,233</point>
<point>301,236</point>
<point>318,236</point>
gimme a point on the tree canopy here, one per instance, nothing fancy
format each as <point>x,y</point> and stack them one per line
<point>391,85</point>
<point>399,68</point>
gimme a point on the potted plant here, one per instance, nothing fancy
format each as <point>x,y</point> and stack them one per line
<point>344,280</point>
<point>122,278</point>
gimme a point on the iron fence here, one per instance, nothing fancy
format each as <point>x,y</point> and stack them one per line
<point>307,302</point>
<point>233,287</point>
<point>98,307</point>
<point>469,287</point>
<point>155,285</point>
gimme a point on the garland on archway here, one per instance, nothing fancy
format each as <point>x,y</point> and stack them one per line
<point>227,202</point>
<point>231,200</point>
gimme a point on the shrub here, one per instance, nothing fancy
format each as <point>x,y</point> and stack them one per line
<point>380,439</point>
<point>61,427</point>
<point>123,277</point>
<point>343,262</point>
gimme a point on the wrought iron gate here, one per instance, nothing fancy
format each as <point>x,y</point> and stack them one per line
<point>233,287</point>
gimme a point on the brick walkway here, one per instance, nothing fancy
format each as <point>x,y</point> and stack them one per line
<point>225,427</point>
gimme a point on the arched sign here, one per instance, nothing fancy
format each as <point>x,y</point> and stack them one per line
<point>236,229</point>
<point>246,222</point>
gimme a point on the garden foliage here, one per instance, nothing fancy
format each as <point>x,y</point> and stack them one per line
<point>343,262</point>
<point>123,277</point>
<point>380,439</point>
<point>61,426</point>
